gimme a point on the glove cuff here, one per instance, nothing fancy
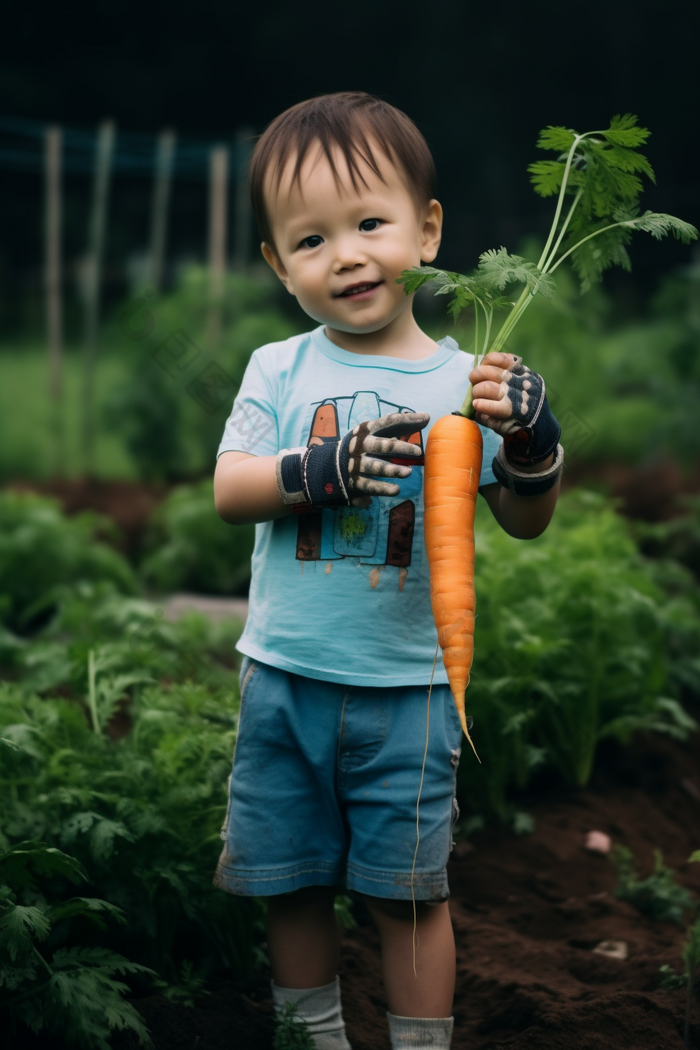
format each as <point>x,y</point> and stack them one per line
<point>289,468</point>
<point>312,477</point>
<point>521,483</point>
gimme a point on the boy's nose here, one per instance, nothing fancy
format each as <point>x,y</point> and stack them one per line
<point>348,256</point>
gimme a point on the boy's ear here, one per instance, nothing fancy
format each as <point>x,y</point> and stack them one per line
<point>431,232</point>
<point>272,259</point>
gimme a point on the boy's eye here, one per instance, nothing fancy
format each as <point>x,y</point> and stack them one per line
<point>311,242</point>
<point>367,225</point>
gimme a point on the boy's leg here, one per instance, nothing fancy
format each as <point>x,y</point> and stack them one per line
<point>416,759</point>
<point>303,939</point>
<point>428,993</point>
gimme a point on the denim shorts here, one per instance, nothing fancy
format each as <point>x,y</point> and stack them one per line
<point>324,787</point>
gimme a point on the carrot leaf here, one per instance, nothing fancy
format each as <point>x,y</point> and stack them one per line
<point>659,225</point>
<point>498,269</point>
<point>597,177</point>
<point>475,289</point>
<point>556,138</point>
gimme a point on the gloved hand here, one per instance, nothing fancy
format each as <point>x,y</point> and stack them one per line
<point>335,473</point>
<point>511,400</point>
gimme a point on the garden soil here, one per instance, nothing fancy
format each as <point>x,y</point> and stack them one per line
<point>528,913</point>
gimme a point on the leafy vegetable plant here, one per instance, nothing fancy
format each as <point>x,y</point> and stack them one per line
<point>659,896</point>
<point>41,549</point>
<point>189,986</point>
<point>191,548</point>
<point>142,813</point>
<point>290,1031</point>
<point>670,980</point>
<point>596,178</point>
<point>68,992</point>
<point>599,645</point>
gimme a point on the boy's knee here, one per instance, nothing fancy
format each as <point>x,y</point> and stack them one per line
<point>380,907</point>
<point>306,897</point>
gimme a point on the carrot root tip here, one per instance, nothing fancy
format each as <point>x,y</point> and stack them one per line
<point>471,742</point>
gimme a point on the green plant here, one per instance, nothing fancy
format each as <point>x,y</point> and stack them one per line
<point>677,539</point>
<point>670,980</point>
<point>143,813</point>
<point>190,985</point>
<point>58,991</point>
<point>191,548</point>
<point>28,445</point>
<point>659,896</point>
<point>290,1031</point>
<point>343,912</point>
<point>129,637</point>
<point>691,958</point>
<point>167,430</point>
<point>41,549</point>
<point>600,171</point>
<point>576,641</point>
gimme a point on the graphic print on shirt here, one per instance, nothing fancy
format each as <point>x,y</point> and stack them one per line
<point>381,534</point>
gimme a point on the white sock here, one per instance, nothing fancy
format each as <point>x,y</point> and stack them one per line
<point>415,1033</point>
<point>319,1009</point>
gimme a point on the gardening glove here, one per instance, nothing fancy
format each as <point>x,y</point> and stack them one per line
<point>530,431</point>
<point>344,471</point>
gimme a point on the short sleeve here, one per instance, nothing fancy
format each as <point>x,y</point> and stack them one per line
<point>252,424</point>
<point>491,442</point>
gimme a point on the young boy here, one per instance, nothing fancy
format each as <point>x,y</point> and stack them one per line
<point>339,643</point>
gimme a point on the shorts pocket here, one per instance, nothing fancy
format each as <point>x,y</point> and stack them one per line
<point>248,669</point>
<point>454,759</point>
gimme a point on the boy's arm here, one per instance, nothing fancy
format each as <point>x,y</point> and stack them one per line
<point>245,489</point>
<point>336,473</point>
<point>523,517</point>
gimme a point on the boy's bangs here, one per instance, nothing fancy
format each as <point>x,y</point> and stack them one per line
<point>356,151</point>
<point>349,123</point>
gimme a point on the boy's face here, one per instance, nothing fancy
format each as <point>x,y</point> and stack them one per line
<point>340,250</point>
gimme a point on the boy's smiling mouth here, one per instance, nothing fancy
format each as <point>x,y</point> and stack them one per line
<point>357,291</point>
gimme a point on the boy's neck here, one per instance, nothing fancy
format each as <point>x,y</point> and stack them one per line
<point>402,338</point>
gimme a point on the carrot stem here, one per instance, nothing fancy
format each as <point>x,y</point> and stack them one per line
<point>467,409</point>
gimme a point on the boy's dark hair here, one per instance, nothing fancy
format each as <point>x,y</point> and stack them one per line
<point>349,121</point>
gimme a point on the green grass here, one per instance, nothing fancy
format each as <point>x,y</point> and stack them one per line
<point>27,446</point>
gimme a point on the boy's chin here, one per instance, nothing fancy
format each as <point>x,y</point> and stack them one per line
<point>346,327</point>
<point>355,329</point>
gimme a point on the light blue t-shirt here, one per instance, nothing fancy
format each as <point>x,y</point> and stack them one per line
<point>344,595</point>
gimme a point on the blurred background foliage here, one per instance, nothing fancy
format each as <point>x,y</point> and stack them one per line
<point>625,388</point>
<point>150,427</point>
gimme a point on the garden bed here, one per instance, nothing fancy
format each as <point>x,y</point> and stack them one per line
<point>528,912</point>
<point>129,504</point>
<point>600,650</point>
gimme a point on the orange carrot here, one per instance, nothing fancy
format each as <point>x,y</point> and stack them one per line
<point>451,483</point>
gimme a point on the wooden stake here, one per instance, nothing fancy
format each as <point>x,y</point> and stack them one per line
<point>52,281</point>
<point>218,185</point>
<point>243,214</point>
<point>165,152</point>
<point>98,224</point>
